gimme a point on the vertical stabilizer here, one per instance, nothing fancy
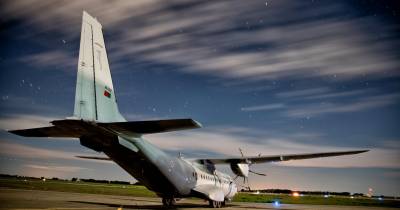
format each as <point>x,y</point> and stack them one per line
<point>94,98</point>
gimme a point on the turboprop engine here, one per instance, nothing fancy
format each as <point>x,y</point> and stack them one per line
<point>243,169</point>
<point>240,169</point>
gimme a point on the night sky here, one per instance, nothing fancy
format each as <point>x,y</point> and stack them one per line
<point>270,77</point>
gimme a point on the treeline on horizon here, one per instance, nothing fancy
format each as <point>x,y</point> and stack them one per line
<point>275,191</point>
<point>75,179</point>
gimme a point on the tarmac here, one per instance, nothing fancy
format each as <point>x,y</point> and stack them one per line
<point>35,199</point>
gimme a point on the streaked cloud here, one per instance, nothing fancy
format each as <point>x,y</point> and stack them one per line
<point>263,107</point>
<point>337,94</point>
<point>21,121</point>
<point>25,151</point>
<point>303,93</point>
<point>359,105</point>
<point>55,59</point>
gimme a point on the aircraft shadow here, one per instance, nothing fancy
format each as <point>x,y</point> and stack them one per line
<point>133,206</point>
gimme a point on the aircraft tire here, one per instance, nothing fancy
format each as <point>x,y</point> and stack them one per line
<point>215,204</point>
<point>168,202</point>
<point>219,204</point>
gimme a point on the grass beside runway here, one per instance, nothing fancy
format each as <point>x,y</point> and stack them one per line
<point>78,187</point>
<point>141,191</point>
<point>315,200</point>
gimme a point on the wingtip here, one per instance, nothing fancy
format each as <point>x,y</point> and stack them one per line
<point>360,151</point>
<point>198,124</point>
<point>15,132</point>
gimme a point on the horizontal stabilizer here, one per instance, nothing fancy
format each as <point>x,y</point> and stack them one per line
<point>94,158</point>
<point>68,128</point>
<point>51,131</point>
<point>77,128</point>
<point>151,126</point>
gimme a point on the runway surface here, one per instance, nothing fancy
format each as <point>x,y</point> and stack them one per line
<point>34,199</point>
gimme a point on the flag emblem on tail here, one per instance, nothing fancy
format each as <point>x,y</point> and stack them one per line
<point>107,92</point>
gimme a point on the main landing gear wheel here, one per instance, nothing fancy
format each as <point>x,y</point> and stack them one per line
<point>216,204</point>
<point>168,202</point>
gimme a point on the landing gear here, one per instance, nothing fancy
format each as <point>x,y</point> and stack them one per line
<point>168,202</point>
<point>216,204</point>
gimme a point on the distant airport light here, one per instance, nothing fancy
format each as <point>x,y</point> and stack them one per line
<point>380,198</point>
<point>295,194</point>
<point>326,196</point>
<point>277,204</point>
<point>351,197</point>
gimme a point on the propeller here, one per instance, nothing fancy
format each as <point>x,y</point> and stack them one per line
<point>249,163</point>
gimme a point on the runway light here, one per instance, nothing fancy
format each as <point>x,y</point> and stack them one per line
<point>277,204</point>
<point>295,194</point>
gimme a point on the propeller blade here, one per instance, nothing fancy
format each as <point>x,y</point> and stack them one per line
<point>248,184</point>
<point>241,152</point>
<point>261,174</point>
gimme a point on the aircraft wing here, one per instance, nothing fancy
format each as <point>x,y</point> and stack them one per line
<point>277,158</point>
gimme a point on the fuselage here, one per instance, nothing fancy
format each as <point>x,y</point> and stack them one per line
<point>166,175</point>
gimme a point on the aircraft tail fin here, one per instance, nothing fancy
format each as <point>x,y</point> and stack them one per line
<point>95,96</point>
<point>96,110</point>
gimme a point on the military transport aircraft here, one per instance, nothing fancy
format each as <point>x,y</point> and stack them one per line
<point>99,126</point>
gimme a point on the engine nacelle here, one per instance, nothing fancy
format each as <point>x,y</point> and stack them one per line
<point>240,169</point>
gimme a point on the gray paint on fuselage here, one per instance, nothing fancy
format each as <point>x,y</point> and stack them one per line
<point>166,175</point>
